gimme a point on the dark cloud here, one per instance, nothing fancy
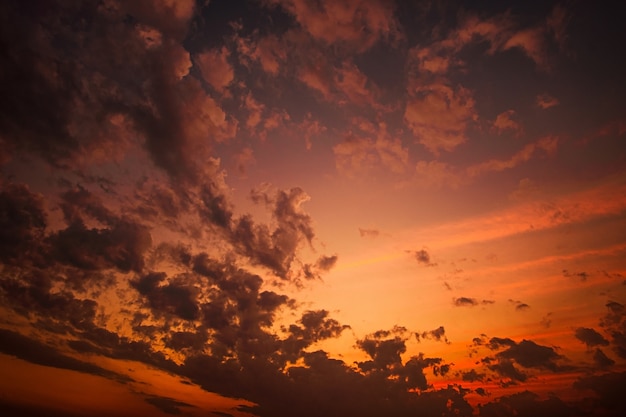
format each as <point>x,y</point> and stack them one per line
<point>465,302</point>
<point>314,326</point>
<point>600,360</point>
<point>506,369</point>
<point>472,376</point>
<point>614,324</point>
<point>276,249</point>
<point>517,361</point>
<point>167,405</point>
<point>531,355</point>
<point>438,334</point>
<point>172,298</point>
<point>22,222</point>
<point>582,276</point>
<point>121,246</point>
<point>423,257</point>
<point>18,345</point>
<point>519,306</point>
<point>526,404</point>
<point>590,337</point>
<point>609,391</point>
<point>105,92</point>
<point>326,263</point>
<point>546,321</point>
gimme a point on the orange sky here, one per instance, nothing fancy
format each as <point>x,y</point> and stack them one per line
<point>298,207</point>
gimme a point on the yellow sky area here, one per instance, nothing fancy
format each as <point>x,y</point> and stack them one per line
<point>78,393</point>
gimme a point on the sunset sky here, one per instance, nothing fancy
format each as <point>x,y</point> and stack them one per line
<point>282,208</point>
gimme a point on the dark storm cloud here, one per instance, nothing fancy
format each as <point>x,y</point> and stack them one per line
<point>22,222</point>
<point>590,337</point>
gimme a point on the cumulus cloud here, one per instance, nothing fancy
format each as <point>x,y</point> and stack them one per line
<point>369,149</point>
<point>438,115</point>
<point>215,68</point>
<point>505,122</point>
<point>356,23</point>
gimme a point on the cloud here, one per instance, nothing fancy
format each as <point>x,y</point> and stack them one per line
<point>20,346</point>
<point>600,359</point>
<point>590,337</point>
<point>423,257</point>
<point>608,396</point>
<point>545,101</point>
<point>269,51</point>
<point>614,323</point>
<point>358,24</point>
<point>527,403</point>
<point>465,302</point>
<point>243,160</point>
<point>525,354</point>
<point>22,221</point>
<point>472,376</point>
<point>215,68</point>
<point>519,306</point>
<point>546,145</point>
<point>505,122</point>
<point>372,233</point>
<point>167,405</point>
<point>438,115</point>
<point>435,174</point>
<point>438,334</point>
<point>359,153</point>
<point>582,276</point>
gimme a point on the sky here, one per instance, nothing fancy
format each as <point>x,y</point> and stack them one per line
<point>281,208</point>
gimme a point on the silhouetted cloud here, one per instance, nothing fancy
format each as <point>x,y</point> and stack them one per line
<point>438,334</point>
<point>465,301</point>
<point>590,337</point>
